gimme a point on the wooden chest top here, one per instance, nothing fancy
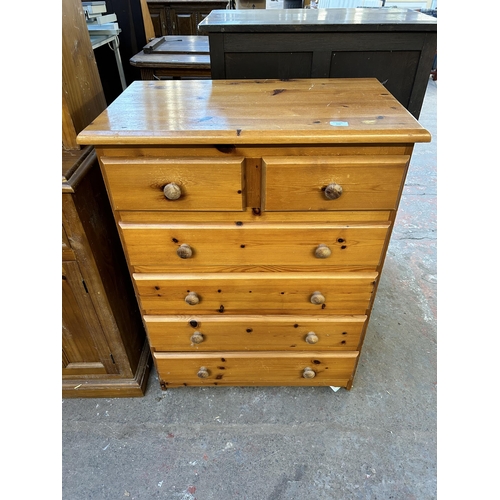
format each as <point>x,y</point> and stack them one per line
<point>305,111</point>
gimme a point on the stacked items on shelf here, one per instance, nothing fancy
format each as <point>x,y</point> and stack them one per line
<point>98,21</point>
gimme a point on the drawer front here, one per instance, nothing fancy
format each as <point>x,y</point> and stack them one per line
<point>203,184</point>
<point>254,333</point>
<point>180,246</point>
<point>304,183</point>
<point>253,369</point>
<point>247,293</point>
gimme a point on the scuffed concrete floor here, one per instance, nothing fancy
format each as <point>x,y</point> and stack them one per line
<point>376,442</point>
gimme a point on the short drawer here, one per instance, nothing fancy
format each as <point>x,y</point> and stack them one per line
<point>333,183</point>
<point>178,246</point>
<point>262,369</point>
<point>154,183</point>
<point>254,333</point>
<point>247,293</point>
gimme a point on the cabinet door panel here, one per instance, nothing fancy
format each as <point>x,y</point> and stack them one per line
<point>85,352</point>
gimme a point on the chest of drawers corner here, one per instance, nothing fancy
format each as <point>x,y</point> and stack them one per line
<point>255,216</point>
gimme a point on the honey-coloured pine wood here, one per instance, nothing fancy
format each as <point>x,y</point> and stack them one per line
<point>255,217</point>
<point>229,112</point>
<point>272,293</point>
<point>254,332</point>
<point>263,368</point>
<point>254,244</point>
<point>204,184</point>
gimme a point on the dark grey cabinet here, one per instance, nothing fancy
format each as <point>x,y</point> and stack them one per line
<point>396,46</point>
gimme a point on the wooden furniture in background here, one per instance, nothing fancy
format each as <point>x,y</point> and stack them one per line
<point>174,56</point>
<point>396,46</point>
<point>255,216</point>
<point>180,17</point>
<point>105,352</point>
<point>104,347</point>
<point>148,24</point>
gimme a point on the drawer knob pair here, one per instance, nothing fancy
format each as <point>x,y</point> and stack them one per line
<point>308,372</point>
<point>333,191</point>
<point>172,191</point>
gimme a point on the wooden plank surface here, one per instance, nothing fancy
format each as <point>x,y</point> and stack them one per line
<point>255,293</point>
<point>254,333</point>
<point>263,368</point>
<point>307,111</point>
<point>178,44</point>
<point>269,244</point>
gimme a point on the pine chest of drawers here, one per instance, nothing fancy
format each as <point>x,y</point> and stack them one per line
<point>255,216</point>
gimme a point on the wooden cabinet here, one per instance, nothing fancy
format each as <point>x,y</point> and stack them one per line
<point>396,46</point>
<point>105,352</point>
<point>180,17</point>
<point>255,216</point>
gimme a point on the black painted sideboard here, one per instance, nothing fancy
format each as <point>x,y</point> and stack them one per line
<point>396,46</point>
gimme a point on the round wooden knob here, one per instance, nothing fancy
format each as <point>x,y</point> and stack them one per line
<point>185,251</point>
<point>317,298</point>
<point>333,191</point>
<point>322,252</point>
<point>197,338</point>
<point>172,191</point>
<point>311,338</point>
<point>192,298</point>
<point>203,372</point>
<point>308,372</point>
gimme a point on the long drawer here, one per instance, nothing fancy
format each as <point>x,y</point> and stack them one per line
<point>254,369</point>
<point>254,333</point>
<point>255,293</point>
<point>180,246</point>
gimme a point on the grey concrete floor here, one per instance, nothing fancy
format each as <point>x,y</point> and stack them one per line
<point>377,441</point>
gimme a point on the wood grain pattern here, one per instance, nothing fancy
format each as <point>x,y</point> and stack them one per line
<point>250,112</point>
<point>263,368</point>
<point>206,184</point>
<point>254,333</point>
<point>292,183</point>
<point>246,293</point>
<point>233,289</point>
<point>253,244</point>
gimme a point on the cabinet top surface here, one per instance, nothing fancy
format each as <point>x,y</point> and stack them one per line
<point>299,20</point>
<point>302,111</point>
